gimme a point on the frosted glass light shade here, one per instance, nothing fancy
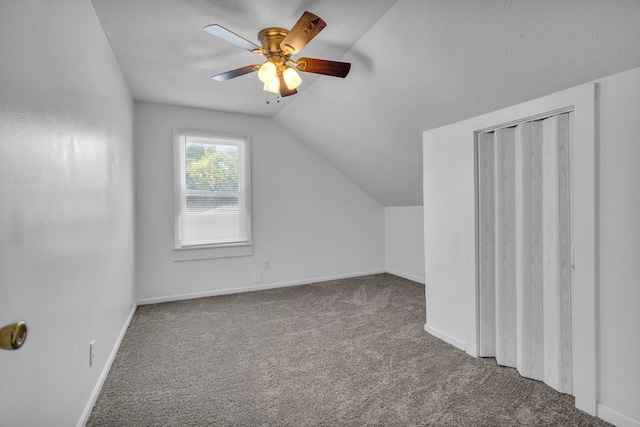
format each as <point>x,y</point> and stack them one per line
<point>267,72</point>
<point>273,86</point>
<point>291,78</point>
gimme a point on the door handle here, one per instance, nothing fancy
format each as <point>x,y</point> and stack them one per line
<point>13,336</point>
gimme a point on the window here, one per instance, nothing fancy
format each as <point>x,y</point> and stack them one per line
<point>212,198</point>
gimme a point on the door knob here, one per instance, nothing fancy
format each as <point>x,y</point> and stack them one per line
<point>13,336</point>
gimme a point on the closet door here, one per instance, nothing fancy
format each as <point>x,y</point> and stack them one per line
<point>524,247</point>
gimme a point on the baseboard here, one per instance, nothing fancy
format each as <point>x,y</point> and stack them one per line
<point>406,276</point>
<point>105,371</point>
<point>614,417</point>
<point>446,337</point>
<point>266,286</point>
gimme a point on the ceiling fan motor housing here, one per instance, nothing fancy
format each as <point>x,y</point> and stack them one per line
<point>271,39</point>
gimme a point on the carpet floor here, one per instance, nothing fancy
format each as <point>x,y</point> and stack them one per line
<point>348,352</point>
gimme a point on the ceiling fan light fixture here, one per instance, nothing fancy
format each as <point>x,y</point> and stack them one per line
<point>291,78</point>
<point>273,86</point>
<point>267,72</point>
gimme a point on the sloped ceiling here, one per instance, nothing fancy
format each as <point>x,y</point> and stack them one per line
<point>416,65</point>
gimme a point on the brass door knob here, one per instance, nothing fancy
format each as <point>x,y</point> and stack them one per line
<point>13,336</point>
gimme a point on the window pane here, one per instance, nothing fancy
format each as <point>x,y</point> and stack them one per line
<point>211,167</point>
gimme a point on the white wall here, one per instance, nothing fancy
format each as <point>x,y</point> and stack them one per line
<point>450,242</point>
<point>449,237</point>
<point>66,207</point>
<point>619,248</point>
<point>309,221</point>
<point>404,241</point>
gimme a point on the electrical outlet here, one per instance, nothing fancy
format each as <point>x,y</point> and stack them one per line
<point>92,352</point>
<point>257,277</point>
<point>267,265</point>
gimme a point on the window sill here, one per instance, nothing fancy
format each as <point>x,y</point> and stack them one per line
<point>212,252</point>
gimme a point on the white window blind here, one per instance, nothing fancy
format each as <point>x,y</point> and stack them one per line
<point>212,203</point>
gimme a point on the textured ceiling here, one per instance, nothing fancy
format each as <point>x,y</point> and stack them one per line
<point>416,65</point>
<point>167,58</point>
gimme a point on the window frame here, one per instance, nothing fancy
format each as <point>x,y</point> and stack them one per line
<point>209,250</point>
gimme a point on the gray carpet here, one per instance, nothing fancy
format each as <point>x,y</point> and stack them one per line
<point>346,352</point>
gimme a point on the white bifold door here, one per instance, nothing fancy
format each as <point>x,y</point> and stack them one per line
<point>525,248</point>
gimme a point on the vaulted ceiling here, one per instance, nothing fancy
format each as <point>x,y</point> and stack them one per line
<point>416,65</point>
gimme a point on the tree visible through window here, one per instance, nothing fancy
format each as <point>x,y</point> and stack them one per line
<point>211,168</point>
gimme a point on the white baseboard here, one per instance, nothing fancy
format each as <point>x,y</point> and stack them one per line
<point>105,371</point>
<point>446,337</point>
<point>228,291</point>
<point>406,276</point>
<point>614,417</point>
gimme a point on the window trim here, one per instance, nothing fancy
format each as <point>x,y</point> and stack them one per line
<point>207,251</point>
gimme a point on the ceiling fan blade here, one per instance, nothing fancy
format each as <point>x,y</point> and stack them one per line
<point>236,73</point>
<point>322,66</point>
<point>307,27</point>
<point>232,37</point>
<point>284,90</point>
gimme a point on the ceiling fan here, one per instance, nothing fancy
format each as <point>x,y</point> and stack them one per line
<point>278,45</point>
